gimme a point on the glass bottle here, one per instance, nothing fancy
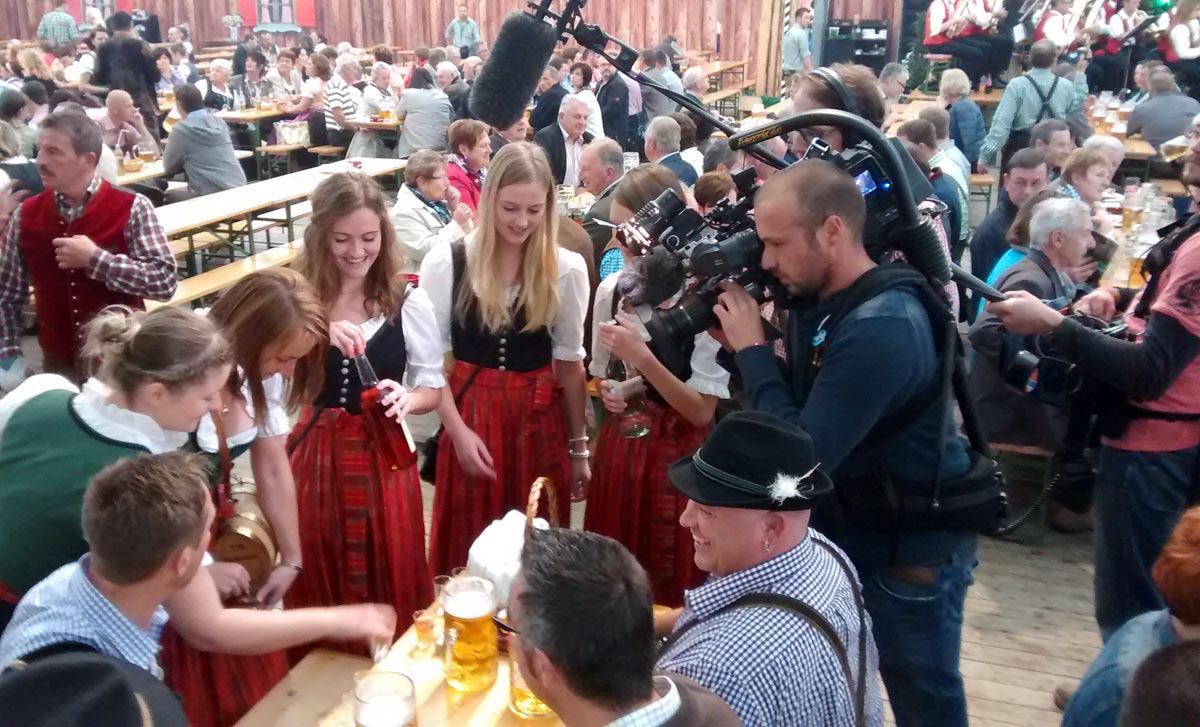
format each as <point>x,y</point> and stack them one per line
<point>395,452</point>
<point>625,381</point>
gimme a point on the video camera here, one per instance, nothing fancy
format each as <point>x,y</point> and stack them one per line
<point>723,246</point>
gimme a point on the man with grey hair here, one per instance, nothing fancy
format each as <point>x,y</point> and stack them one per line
<point>695,85</point>
<point>718,157</point>
<point>470,69</point>
<point>1060,232</point>
<point>563,142</point>
<point>601,166</point>
<point>454,88</point>
<point>1166,114</point>
<point>341,103</point>
<point>662,147</point>
<point>547,101</point>
<point>892,80</point>
<point>115,252</point>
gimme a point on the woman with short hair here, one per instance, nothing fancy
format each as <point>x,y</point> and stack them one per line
<point>470,153</point>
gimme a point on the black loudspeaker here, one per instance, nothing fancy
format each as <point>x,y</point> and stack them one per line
<point>146,26</point>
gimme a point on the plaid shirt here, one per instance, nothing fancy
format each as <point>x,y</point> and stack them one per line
<point>1020,105</point>
<point>66,607</point>
<point>58,27</point>
<point>773,667</point>
<point>658,711</point>
<point>148,270</point>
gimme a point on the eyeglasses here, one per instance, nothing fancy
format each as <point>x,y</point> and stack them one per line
<point>504,625</point>
<point>810,133</point>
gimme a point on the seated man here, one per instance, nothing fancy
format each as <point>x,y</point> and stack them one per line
<point>117,254</point>
<point>124,130</point>
<point>1053,139</point>
<point>147,523</point>
<point>662,146</point>
<point>1060,234</point>
<point>783,663</point>
<point>1097,703</point>
<point>200,147</point>
<point>580,609</point>
<point>563,142</point>
<point>601,166</point>
<point>1166,114</point>
<point>1025,176</point>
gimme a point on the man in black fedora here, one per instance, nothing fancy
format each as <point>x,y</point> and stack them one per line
<point>779,631</point>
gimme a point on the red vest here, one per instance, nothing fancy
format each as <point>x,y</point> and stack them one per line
<point>1112,45</point>
<point>67,299</point>
<point>940,38</point>
<point>1167,48</point>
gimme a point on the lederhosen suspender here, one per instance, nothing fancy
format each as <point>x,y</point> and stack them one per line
<point>819,622</point>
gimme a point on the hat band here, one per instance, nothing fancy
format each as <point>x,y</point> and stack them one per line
<point>727,479</point>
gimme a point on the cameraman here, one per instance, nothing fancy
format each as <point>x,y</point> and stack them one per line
<point>1150,454</point>
<point>860,369</point>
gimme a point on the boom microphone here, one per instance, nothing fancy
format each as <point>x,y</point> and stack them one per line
<point>512,71</point>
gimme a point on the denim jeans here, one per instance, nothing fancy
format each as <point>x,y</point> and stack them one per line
<point>1139,499</point>
<point>918,627</point>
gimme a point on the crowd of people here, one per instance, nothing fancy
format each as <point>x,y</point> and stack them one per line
<point>787,482</point>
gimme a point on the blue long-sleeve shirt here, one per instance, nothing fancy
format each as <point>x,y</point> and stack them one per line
<point>880,357</point>
<point>967,128</point>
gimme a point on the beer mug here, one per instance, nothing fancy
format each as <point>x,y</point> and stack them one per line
<point>384,699</point>
<point>472,654</point>
<point>521,700</point>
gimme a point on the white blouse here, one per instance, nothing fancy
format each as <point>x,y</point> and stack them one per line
<point>595,125</point>
<point>93,409</point>
<point>566,332</point>
<point>275,421</point>
<point>425,362</point>
<point>708,377</point>
<point>1184,39</point>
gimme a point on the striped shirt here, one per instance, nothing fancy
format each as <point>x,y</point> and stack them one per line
<point>65,607</point>
<point>338,96</point>
<point>1020,106</point>
<point>773,667</point>
<point>146,269</point>
<point>58,27</point>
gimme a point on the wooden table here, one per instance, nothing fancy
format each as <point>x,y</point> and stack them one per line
<point>716,71</point>
<point>252,118</point>
<point>243,203</point>
<point>310,690</point>
<point>437,704</point>
<point>393,126</point>
<point>155,169</point>
<point>984,100</point>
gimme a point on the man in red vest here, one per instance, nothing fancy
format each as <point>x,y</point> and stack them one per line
<point>82,245</point>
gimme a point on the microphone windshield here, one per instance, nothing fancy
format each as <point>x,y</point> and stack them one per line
<point>512,71</point>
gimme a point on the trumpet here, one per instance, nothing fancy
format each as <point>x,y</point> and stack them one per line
<point>959,20</point>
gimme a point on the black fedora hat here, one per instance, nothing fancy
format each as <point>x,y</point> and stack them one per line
<point>78,688</point>
<point>755,461</point>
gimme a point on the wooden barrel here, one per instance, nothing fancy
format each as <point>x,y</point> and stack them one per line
<point>246,537</point>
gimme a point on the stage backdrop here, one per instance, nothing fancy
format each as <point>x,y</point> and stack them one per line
<point>750,29</point>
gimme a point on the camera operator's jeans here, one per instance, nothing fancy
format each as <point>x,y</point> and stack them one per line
<point>1139,499</point>
<point>918,628</point>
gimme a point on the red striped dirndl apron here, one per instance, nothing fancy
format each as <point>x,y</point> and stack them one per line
<point>631,501</point>
<point>362,528</point>
<point>519,417</point>
<point>217,689</point>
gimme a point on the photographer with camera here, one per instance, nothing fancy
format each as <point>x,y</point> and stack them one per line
<point>865,380</point>
<point>1148,406</point>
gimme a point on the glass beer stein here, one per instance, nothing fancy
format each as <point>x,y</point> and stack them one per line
<point>521,700</point>
<point>472,655</point>
<point>384,699</point>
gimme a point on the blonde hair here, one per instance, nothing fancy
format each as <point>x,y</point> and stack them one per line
<point>33,65</point>
<point>170,346</point>
<point>263,310</point>
<point>516,163</point>
<point>334,198</point>
<point>954,83</point>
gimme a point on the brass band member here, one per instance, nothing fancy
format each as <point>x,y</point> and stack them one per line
<point>943,30</point>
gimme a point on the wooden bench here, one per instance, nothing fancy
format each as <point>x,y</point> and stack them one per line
<point>327,153</point>
<point>721,99</point>
<point>981,188</point>
<point>266,151</point>
<point>201,242</point>
<point>218,279</point>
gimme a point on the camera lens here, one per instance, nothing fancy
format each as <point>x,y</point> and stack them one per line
<point>680,323</point>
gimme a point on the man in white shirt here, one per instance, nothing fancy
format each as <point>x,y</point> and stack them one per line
<point>341,103</point>
<point>563,142</point>
<point>1054,26</point>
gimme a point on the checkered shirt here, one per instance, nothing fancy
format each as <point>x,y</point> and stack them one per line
<point>658,711</point>
<point>773,667</point>
<point>147,269</point>
<point>58,27</point>
<point>1020,105</point>
<point>66,607</point>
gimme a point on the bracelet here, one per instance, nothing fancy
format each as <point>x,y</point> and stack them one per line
<point>293,566</point>
<point>585,454</point>
<point>573,440</point>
